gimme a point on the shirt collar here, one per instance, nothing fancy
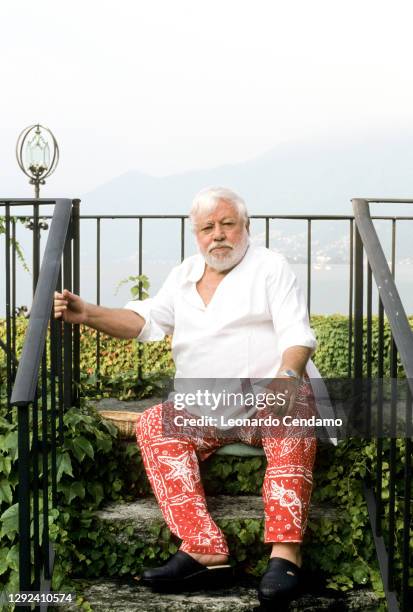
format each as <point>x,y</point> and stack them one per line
<point>197,270</point>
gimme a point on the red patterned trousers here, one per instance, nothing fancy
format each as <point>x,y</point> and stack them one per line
<point>173,471</point>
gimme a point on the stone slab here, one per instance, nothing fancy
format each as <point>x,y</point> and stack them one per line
<point>221,507</point>
<point>128,596</point>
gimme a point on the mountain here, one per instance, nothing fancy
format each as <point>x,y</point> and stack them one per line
<point>292,178</point>
<point>296,178</point>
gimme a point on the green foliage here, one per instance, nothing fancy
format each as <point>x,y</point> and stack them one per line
<point>95,467</point>
<point>231,476</point>
<point>14,242</point>
<point>121,360</point>
<point>332,355</point>
<point>139,289</point>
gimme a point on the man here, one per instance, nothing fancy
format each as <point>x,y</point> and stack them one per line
<point>235,312</point>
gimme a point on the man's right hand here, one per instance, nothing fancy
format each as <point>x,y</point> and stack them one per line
<point>70,307</point>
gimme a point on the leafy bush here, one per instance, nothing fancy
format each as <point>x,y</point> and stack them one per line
<point>94,468</point>
<point>121,360</point>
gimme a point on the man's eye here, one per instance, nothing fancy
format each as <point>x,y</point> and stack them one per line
<point>207,229</point>
<point>229,223</point>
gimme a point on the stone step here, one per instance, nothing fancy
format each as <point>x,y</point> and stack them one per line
<point>106,595</point>
<point>113,404</point>
<point>136,536</point>
<point>144,513</point>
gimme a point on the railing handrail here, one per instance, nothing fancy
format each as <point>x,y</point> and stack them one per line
<point>393,306</point>
<point>25,384</point>
<point>258,216</point>
<point>26,201</point>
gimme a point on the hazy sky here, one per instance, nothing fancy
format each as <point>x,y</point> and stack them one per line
<point>165,86</point>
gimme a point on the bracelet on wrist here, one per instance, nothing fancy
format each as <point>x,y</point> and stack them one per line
<point>288,373</point>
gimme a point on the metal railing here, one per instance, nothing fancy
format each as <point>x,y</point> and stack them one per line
<point>383,511</point>
<point>311,221</point>
<point>42,384</point>
<point>65,370</point>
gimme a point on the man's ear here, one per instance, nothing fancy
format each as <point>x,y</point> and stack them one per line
<point>247,225</point>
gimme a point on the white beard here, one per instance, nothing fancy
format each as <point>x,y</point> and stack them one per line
<point>230,259</point>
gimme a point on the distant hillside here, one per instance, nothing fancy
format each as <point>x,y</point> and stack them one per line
<point>297,178</point>
<point>291,178</point>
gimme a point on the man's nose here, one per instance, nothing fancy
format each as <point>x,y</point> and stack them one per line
<point>218,233</point>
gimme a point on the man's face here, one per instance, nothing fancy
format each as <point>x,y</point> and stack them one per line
<point>222,236</point>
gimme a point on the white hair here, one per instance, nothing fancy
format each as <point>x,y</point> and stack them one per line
<point>207,200</point>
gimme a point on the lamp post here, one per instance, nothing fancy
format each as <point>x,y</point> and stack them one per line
<point>37,154</point>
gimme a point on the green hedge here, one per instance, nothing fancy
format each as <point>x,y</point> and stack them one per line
<point>120,359</point>
<point>94,467</point>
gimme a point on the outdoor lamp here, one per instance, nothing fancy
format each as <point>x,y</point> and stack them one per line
<point>37,154</point>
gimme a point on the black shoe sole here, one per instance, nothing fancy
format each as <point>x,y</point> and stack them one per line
<point>209,579</point>
<point>279,603</point>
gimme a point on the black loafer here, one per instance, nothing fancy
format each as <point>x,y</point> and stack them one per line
<point>281,583</point>
<point>182,572</point>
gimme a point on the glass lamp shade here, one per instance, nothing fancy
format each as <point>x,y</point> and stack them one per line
<point>38,152</point>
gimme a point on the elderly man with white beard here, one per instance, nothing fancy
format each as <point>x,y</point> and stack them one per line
<point>234,311</point>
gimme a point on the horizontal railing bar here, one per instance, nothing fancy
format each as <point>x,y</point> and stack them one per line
<point>298,217</point>
<point>26,202</point>
<point>385,200</point>
<point>25,385</point>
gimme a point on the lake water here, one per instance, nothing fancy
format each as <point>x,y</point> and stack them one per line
<point>329,285</point>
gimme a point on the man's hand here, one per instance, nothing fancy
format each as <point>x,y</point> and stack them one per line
<point>117,322</point>
<point>286,388</point>
<point>70,307</point>
<point>289,387</point>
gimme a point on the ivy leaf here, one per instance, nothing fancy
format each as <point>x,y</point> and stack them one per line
<point>5,492</point>
<point>10,521</point>
<point>64,465</point>
<point>96,489</point>
<point>5,464</point>
<point>13,557</point>
<point>82,447</point>
<point>4,565</point>
<point>76,490</point>
<point>104,444</point>
<point>10,443</point>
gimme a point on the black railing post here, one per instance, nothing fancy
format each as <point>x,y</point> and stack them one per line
<point>8,327</point>
<point>98,299</point>
<point>67,327</point>
<point>76,289</point>
<point>36,245</point>
<point>35,556</point>
<point>24,497</point>
<point>309,267</point>
<point>358,307</point>
<point>140,253</point>
<point>13,300</point>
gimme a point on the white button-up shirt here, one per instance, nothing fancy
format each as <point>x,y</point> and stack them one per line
<point>257,311</point>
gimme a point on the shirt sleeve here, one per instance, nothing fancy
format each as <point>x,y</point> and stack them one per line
<point>289,310</point>
<point>158,311</point>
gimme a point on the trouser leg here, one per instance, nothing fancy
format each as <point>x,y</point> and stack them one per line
<point>173,471</point>
<point>288,479</point>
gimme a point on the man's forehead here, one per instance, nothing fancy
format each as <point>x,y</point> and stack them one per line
<point>222,209</point>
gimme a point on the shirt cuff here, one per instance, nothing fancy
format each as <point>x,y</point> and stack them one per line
<point>142,308</point>
<point>296,337</point>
